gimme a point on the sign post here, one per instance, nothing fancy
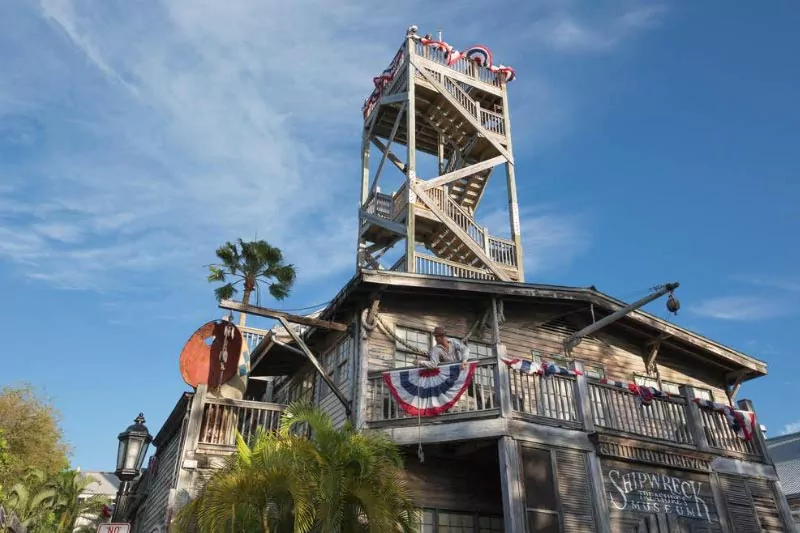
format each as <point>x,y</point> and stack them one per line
<point>114,528</point>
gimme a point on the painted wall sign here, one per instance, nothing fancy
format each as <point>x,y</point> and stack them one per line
<point>654,491</point>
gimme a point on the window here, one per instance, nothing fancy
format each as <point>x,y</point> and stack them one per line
<point>556,358</point>
<point>541,502</point>
<point>420,340</point>
<point>441,521</point>
<point>646,381</point>
<point>336,364</point>
<point>478,350</point>
<point>344,353</point>
<point>597,372</point>
<point>674,389</point>
<point>302,388</point>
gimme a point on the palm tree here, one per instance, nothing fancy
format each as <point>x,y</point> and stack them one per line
<point>33,500</point>
<point>340,481</point>
<point>69,506</point>
<point>251,264</point>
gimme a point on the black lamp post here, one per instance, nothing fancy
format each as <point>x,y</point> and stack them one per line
<point>133,444</point>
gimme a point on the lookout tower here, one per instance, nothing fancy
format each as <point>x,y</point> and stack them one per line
<point>449,107</point>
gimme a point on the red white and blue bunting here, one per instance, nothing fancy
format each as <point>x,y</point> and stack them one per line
<point>743,423</point>
<point>429,391</point>
<point>644,394</point>
<point>545,369</point>
<point>477,53</point>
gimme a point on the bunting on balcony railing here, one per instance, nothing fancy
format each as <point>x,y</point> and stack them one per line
<point>479,54</point>
<point>429,391</point>
<point>544,369</point>
<point>743,423</point>
<point>644,394</point>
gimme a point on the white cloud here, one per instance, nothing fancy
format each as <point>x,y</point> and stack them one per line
<point>551,240</point>
<point>792,427</point>
<point>783,284</point>
<point>148,133</point>
<point>564,32</point>
<point>739,308</point>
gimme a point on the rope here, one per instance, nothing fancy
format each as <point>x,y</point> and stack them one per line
<point>386,330</point>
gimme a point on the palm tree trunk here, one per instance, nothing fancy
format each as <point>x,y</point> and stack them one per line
<point>245,301</point>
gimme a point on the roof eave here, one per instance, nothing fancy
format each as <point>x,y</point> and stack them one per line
<point>401,279</point>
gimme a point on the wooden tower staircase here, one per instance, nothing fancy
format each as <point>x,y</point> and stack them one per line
<point>455,111</point>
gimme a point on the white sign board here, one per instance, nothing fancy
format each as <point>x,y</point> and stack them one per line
<point>114,528</point>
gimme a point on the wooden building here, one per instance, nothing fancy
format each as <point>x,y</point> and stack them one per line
<point>519,451</point>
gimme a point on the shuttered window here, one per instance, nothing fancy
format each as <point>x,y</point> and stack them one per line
<point>442,521</point>
<point>557,492</point>
<point>752,505</point>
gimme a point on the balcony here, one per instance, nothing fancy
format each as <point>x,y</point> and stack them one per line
<point>559,401</point>
<point>223,418</point>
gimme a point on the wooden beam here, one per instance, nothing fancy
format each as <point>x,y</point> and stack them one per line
<point>280,315</point>
<point>472,120</point>
<point>650,360</point>
<point>397,122</point>
<point>462,172</point>
<point>325,377</point>
<point>394,227</point>
<point>456,75</point>
<point>732,389</point>
<point>514,515</point>
<point>390,155</point>
<point>394,98</point>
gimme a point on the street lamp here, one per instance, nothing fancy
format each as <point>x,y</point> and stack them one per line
<point>133,444</point>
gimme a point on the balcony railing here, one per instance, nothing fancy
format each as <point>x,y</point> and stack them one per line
<point>620,411</point>
<point>721,437</point>
<point>551,399</point>
<point>222,418</point>
<point>464,66</point>
<point>554,401</point>
<point>480,399</point>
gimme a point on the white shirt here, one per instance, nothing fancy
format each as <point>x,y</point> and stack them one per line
<point>456,351</point>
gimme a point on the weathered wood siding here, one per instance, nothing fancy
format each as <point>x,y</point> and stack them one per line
<point>456,485</point>
<point>421,315</point>
<point>152,515</point>
<point>528,328</point>
<point>532,330</point>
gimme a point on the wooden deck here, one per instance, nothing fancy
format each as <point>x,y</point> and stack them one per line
<point>574,403</point>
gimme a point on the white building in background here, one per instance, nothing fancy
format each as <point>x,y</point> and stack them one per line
<point>104,484</point>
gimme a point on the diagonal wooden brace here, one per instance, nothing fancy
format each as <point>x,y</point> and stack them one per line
<point>325,377</point>
<point>460,233</point>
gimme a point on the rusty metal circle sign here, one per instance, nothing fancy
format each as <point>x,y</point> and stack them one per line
<point>200,357</point>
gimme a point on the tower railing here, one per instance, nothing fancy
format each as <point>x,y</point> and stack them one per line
<point>390,206</point>
<point>464,66</point>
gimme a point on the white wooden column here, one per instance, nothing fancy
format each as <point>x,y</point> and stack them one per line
<point>511,181</point>
<point>411,161</point>
<point>514,517</point>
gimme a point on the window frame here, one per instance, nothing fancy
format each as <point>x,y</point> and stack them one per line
<point>409,356</point>
<point>664,384</point>
<point>558,512</point>
<point>476,520</point>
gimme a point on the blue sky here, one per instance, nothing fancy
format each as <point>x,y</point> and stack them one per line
<point>653,143</point>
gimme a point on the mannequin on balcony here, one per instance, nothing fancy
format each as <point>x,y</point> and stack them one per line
<point>445,350</point>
